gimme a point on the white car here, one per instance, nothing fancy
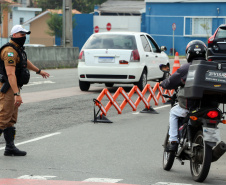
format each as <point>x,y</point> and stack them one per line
<point>120,57</point>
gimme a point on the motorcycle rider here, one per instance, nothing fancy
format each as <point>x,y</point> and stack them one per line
<point>195,50</point>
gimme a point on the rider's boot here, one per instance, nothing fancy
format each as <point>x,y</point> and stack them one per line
<point>172,146</point>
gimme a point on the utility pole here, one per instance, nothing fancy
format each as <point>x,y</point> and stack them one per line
<point>67,24</point>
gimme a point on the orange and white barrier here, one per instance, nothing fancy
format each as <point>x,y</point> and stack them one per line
<point>127,99</point>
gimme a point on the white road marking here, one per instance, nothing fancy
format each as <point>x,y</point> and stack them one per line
<point>40,82</point>
<point>46,177</point>
<point>170,183</point>
<point>36,139</point>
<point>155,108</point>
<point>33,77</point>
<point>162,107</point>
<point>106,180</point>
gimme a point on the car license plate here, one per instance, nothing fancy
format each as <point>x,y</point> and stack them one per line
<point>211,134</point>
<point>106,60</point>
<point>216,76</point>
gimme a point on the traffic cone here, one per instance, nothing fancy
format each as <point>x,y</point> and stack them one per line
<point>176,64</point>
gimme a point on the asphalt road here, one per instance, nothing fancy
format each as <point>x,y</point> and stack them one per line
<point>63,145</point>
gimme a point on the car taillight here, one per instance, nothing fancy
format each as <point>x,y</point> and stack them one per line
<point>212,114</point>
<point>81,56</point>
<point>210,40</point>
<point>135,57</point>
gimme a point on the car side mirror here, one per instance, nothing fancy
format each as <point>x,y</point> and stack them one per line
<point>163,48</point>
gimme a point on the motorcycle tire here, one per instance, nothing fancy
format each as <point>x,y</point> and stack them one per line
<point>168,157</point>
<point>201,162</point>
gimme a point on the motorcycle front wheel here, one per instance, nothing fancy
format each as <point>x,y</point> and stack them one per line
<point>200,163</point>
<point>168,157</point>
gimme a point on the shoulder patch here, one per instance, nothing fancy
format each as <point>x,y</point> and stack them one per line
<point>11,54</point>
<point>11,61</point>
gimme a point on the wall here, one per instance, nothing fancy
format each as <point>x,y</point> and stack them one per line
<point>118,23</point>
<point>39,29</point>
<point>53,57</point>
<point>82,30</point>
<point>161,16</point>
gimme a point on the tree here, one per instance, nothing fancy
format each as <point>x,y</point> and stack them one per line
<point>55,24</point>
<point>49,4</point>
<point>84,6</point>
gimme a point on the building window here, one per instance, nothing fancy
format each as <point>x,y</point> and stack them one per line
<point>201,26</point>
<point>198,26</point>
<point>21,20</point>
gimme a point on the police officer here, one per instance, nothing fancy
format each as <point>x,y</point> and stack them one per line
<point>13,66</point>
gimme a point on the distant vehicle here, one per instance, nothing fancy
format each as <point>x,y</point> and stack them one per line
<point>217,44</point>
<point>34,45</point>
<point>120,57</point>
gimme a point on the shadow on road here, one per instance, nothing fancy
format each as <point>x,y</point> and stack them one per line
<point>111,89</point>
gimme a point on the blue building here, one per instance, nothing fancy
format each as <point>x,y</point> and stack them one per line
<point>194,19</point>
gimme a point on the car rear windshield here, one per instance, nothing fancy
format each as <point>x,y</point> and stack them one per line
<point>221,33</point>
<point>111,42</point>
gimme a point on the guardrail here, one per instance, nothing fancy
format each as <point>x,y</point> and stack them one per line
<point>155,93</point>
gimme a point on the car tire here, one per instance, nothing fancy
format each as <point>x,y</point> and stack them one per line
<point>84,86</point>
<point>143,80</point>
<point>109,84</point>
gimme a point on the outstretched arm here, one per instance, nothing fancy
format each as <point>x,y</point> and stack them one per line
<point>37,70</point>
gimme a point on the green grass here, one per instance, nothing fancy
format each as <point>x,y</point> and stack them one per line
<point>180,56</point>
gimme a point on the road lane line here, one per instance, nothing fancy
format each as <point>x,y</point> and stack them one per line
<point>40,82</point>
<point>51,182</point>
<point>35,139</point>
<point>170,183</point>
<point>37,177</point>
<point>106,180</point>
<point>164,106</point>
<point>33,77</point>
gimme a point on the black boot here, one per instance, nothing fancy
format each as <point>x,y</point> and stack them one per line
<point>172,147</point>
<point>11,149</point>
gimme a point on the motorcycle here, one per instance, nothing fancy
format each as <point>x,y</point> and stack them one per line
<point>199,140</point>
<point>198,136</point>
